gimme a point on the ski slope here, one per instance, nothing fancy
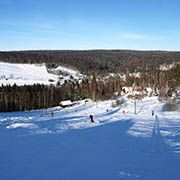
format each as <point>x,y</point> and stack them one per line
<point>25,74</point>
<point>66,145</point>
<point>29,74</point>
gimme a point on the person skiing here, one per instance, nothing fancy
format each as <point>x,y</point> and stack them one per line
<point>52,114</point>
<point>91,118</point>
<point>152,113</point>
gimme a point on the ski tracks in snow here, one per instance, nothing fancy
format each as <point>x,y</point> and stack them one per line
<point>162,127</point>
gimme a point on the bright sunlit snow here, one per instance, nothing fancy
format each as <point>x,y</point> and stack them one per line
<point>29,74</point>
<point>22,74</point>
<point>63,144</point>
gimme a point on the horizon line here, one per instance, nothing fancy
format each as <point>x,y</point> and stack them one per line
<point>95,49</point>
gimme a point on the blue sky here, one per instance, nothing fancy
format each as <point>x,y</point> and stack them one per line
<point>93,24</point>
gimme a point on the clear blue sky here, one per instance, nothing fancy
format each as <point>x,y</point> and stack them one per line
<point>90,24</point>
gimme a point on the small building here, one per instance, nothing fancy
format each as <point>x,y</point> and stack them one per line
<point>137,90</point>
<point>149,91</point>
<point>66,103</point>
<point>126,90</point>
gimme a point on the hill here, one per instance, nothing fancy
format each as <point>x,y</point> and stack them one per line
<point>25,74</point>
<point>99,61</point>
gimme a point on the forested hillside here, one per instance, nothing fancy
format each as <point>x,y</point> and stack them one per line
<point>20,98</point>
<point>99,61</point>
<point>96,86</point>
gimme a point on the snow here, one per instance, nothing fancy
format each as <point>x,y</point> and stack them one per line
<point>22,74</point>
<point>66,103</point>
<point>22,125</point>
<point>29,74</point>
<point>67,70</point>
<point>67,74</point>
<point>35,145</point>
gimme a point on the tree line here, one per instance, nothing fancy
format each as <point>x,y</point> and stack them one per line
<point>96,61</point>
<point>20,98</point>
<point>29,97</point>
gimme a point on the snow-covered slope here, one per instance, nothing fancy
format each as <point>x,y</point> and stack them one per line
<point>66,74</point>
<point>29,74</point>
<point>25,74</point>
<point>67,70</point>
<point>63,144</point>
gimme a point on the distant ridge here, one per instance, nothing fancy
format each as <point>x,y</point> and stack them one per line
<point>97,60</point>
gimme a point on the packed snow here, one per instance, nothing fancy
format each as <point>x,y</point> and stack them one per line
<point>62,143</point>
<point>21,74</point>
<point>29,74</point>
<point>22,125</point>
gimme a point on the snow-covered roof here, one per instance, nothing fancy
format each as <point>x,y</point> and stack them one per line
<point>66,103</point>
<point>127,88</point>
<point>149,89</point>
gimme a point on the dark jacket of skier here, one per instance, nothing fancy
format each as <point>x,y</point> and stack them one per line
<point>91,118</point>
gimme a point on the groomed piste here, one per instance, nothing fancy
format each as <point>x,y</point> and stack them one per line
<point>64,144</point>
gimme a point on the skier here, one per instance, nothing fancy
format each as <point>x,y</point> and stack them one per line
<point>91,118</point>
<point>152,113</point>
<point>52,114</point>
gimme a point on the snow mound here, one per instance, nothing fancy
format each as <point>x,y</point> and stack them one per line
<point>22,125</point>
